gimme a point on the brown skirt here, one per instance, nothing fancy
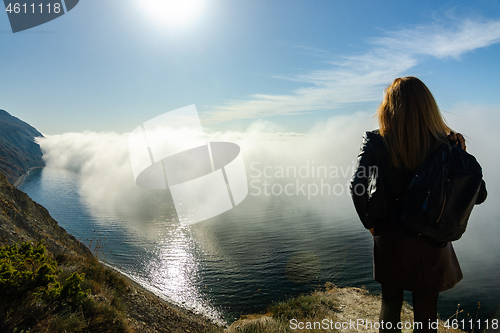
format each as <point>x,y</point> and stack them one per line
<point>413,263</point>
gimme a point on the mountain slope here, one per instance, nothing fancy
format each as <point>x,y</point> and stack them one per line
<point>18,150</point>
<point>22,220</point>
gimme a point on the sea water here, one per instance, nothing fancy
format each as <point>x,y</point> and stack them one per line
<point>264,250</point>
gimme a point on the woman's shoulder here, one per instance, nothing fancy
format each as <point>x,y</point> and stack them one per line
<point>374,144</point>
<point>373,137</point>
<point>373,133</point>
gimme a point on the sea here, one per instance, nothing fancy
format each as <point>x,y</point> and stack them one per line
<point>267,249</point>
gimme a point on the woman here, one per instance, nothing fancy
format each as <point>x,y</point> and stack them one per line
<point>411,127</point>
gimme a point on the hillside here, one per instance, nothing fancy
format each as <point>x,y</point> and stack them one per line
<point>22,219</point>
<point>18,150</point>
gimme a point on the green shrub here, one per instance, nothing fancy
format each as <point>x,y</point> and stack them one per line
<point>25,269</point>
<point>28,270</point>
<point>36,294</point>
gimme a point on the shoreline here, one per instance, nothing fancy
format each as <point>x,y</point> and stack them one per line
<point>143,303</point>
<point>24,220</point>
<point>20,180</point>
<point>149,313</point>
<point>170,303</point>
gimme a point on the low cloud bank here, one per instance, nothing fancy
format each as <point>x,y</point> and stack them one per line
<point>271,155</point>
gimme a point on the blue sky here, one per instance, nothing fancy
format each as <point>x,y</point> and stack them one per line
<point>111,65</point>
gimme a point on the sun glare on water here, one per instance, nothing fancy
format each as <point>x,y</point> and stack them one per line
<point>173,13</point>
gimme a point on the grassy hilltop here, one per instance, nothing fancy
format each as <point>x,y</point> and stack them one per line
<point>334,309</point>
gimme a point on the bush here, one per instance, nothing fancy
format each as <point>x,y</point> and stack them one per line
<point>39,295</point>
<point>28,270</point>
<point>25,269</point>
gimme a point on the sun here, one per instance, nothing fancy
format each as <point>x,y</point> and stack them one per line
<point>173,13</point>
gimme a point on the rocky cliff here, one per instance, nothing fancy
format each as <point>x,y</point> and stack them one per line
<point>18,150</point>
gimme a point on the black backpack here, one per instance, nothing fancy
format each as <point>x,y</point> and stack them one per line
<point>440,197</point>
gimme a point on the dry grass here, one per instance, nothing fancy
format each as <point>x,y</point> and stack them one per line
<point>335,305</point>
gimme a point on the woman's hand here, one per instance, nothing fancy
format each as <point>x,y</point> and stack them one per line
<point>457,139</point>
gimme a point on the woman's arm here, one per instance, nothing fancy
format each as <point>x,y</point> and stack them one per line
<point>360,182</point>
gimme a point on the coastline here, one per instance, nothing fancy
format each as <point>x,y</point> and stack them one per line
<point>120,301</point>
<point>148,312</point>
<point>19,181</point>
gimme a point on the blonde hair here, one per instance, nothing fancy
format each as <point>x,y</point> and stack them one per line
<point>410,122</point>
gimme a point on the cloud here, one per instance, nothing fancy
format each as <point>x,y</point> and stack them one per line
<point>101,161</point>
<point>436,41</point>
<point>361,78</point>
<point>107,184</point>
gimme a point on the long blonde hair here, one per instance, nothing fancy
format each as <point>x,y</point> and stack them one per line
<point>410,122</point>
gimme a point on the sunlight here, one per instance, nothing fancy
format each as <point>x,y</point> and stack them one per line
<point>173,13</point>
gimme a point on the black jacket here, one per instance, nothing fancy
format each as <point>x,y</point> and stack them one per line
<point>375,184</point>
